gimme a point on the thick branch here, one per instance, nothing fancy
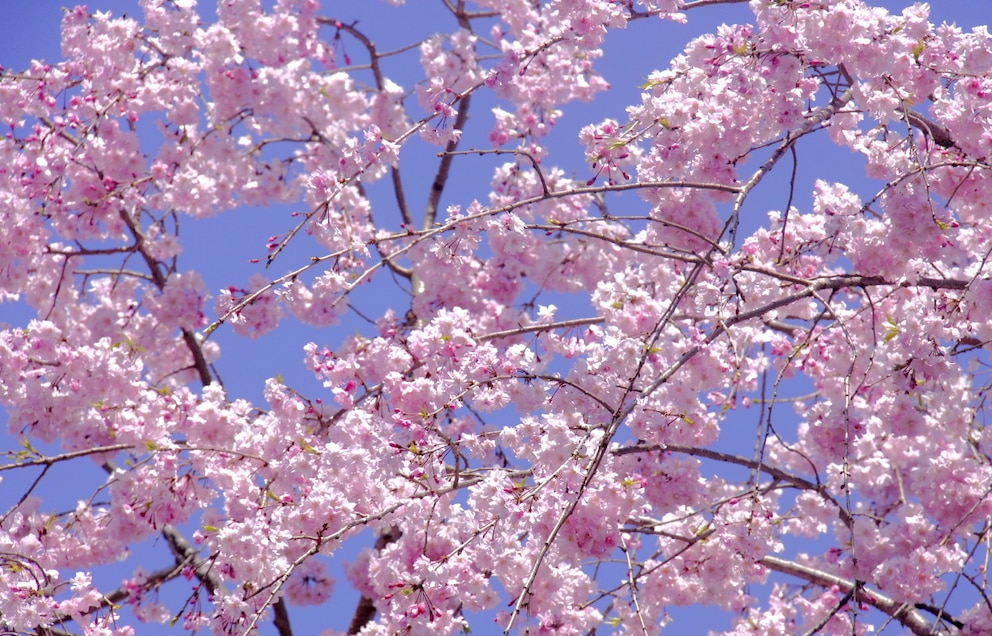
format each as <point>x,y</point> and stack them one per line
<point>935,131</point>
<point>281,618</point>
<point>199,361</point>
<point>904,613</point>
<point>444,167</point>
<point>940,135</point>
<point>365,610</point>
<point>186,553</point>
<point>153,581</point>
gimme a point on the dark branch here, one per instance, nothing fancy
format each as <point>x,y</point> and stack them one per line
<point>365,610</point>
<point>777,473</point>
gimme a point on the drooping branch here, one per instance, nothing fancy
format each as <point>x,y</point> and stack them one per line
<point>777,473</point>
<point>374,63</point>
<point>535,164</point>
<point>414,238</point>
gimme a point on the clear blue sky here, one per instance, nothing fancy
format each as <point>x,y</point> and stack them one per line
<point>220,248</point>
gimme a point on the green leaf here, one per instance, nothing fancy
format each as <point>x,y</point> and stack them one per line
<point>918,49</point>
<point>891,328</point>
<point>307,448</point>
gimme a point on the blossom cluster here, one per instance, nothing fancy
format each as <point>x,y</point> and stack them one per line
<point>561,411</point>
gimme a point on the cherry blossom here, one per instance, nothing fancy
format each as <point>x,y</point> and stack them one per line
<point>542,393</point>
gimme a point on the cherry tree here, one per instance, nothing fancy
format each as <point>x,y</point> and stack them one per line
<point>533,424</point>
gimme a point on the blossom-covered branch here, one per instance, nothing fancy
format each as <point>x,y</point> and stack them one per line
<point>560,385</point>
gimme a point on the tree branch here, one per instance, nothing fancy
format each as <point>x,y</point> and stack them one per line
<point>905,614</point>
<point>48,461</point>
<point>444,167</point>
<point>365,610</point>
<point>771,471</point>
<point>931,129</point>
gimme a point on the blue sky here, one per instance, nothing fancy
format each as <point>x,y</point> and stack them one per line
<point>221,247</point>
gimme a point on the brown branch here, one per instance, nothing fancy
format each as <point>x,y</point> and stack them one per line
<point>184,552</point>
<point>365,610</point>
<point>815,121</point>
<point>526,591</point>
<point>199,361</point>
<point>153,581</point>
<point>659,250</point>
<point>905,614</point>
<point>812,287</point>
<point>771,471</point>
<point>281,619</point>
<point>374,58</point>
<point>499,151</point>
<point>54,459</point>
<point>444,167</point>
<point>564,324</point>
<point>933,130</point>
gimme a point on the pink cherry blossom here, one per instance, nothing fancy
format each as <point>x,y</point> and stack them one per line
<point>547,404</point>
